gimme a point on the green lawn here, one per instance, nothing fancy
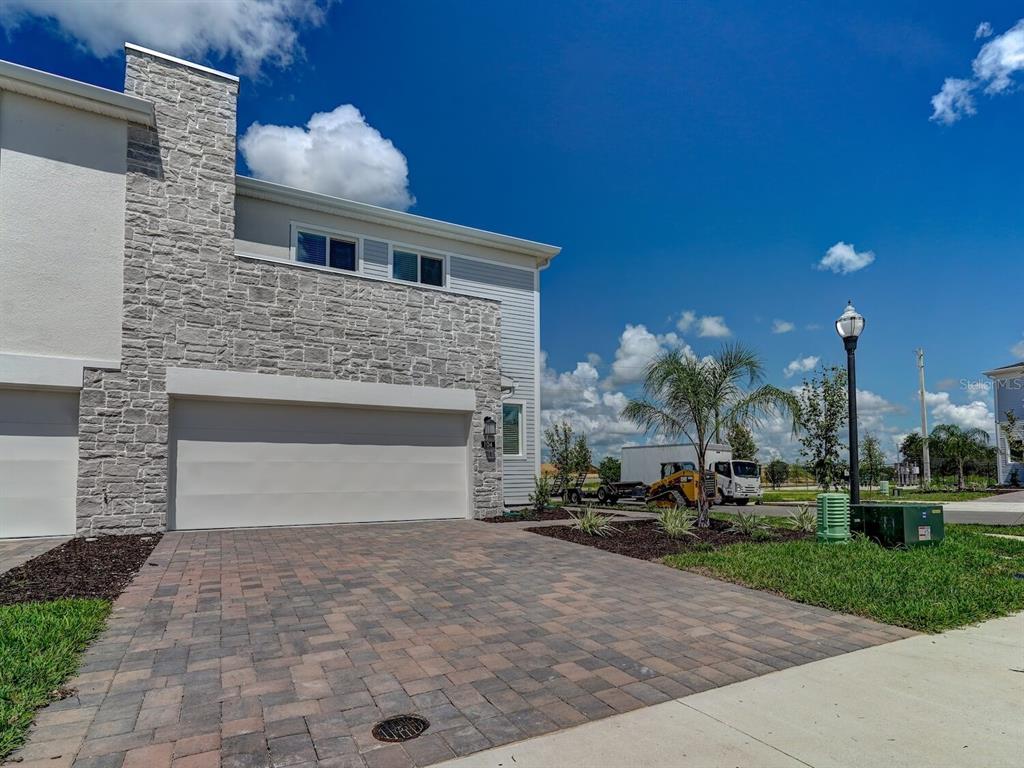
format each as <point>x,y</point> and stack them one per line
<point>40,646</point>
<point>810,496</point>
<point>970,577</point>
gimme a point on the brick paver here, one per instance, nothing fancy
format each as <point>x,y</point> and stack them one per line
<point>15,552</point>
<point>285,646</point>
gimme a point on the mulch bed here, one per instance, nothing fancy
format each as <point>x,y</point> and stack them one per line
<point>645,541</point>
<point>529,516</point>
<point>99,568</point>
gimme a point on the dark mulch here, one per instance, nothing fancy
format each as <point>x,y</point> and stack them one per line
<point>528,516</point>
<point>99,568</point>
<point>645,541</point>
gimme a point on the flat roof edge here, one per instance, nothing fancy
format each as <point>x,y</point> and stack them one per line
<point>183,62</point>
<point>73,93</point>
<point>267,190</point>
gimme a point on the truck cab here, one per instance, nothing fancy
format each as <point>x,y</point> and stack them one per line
<point>737,481</point>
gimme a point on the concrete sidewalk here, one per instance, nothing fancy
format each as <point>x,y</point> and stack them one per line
<point>955,699</point>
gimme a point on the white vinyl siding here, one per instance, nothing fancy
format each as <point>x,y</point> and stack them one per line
<point>514,288</point>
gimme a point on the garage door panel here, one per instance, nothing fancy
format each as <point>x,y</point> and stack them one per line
<point>201,477</point>
<point>38,462</point>
<point>233,450</point>
<point>247,464</point>
<point>247,510</point>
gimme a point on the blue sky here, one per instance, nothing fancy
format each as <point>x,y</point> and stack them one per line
<point>698,157</point>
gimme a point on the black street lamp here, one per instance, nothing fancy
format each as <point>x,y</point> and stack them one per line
<point>849,326</point>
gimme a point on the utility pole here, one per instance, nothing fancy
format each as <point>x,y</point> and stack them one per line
<point>926,468</point>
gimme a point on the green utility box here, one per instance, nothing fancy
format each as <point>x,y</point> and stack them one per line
<point>899,525</point>
<point>833,517</point>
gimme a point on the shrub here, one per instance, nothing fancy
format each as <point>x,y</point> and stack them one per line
<point>761,534</point>
<point>677,522</point>
<point>746,524</point>
<point>541,496</point>
<point>592,523</point>
<point>804,519</point>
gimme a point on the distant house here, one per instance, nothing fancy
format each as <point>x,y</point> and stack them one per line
<point>1008,385</point>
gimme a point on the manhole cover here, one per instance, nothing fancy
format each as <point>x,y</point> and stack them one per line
<point>401,728</point>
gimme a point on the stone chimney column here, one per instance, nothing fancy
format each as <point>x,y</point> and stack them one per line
<point>179,226</point>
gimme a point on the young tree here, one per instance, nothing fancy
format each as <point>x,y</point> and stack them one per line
<point>822,404</point>
<point>959,446</point>
<point>777,472</point>
<point>912,448</point>
<point>570,454</point>
<point>872,460</point>
<point>686,396</point>
<point>610,470</point>
<point>741,442</point>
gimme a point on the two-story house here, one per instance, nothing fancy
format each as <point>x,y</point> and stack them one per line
<point>181,347</point>
<point>1008,386</point>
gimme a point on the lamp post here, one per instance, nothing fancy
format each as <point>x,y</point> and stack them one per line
<point>849,327</point>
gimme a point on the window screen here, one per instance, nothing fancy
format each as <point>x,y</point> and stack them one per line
<point>405,266</point>
<point>311,249</point>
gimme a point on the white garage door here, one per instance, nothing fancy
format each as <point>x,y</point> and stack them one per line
<point>38,462</point>
<point>246,464</point>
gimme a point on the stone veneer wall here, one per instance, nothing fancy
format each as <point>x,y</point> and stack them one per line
<point>190,302</point>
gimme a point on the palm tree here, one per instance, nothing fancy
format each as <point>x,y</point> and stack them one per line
<point>686,396</point>
<point>959,444</point>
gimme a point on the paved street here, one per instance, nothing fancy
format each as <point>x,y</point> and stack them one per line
<point>285,646</point>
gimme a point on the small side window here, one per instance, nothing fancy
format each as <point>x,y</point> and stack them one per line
<point>511,429</point>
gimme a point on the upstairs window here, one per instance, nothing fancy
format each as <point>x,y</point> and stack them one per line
<point>417,268</point>
<point>325,250</point>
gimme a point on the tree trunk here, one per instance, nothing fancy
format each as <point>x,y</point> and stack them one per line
<point>960,475</point>
<point>703,518</point>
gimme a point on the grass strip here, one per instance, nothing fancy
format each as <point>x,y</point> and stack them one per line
<point>968,578</point>
<point>40,648</point>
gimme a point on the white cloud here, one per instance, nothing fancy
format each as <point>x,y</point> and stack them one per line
<point>637,348</point>
<point>842,258</point>
<point>994,67</point>
<point>575,396</point>
<point>713,327</point>
<point>782,326</point>
<point>800,365</point>
<point>686,320</point>
<point>1017,350</point>
<point>250,31</point>
<point>969,415</point>
<point>872,409</point>
<point>984,30</point>
<point>953,101</point>
<point>337,153</point>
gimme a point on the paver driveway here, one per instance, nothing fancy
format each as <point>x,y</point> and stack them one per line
<point>15,552</point>
<point>284,646</point>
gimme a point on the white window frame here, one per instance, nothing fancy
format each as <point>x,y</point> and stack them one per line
<point>420,254</point>
<point>336,234</point>
<point>522,429</point>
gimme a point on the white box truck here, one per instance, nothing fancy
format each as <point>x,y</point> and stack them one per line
<point>736,481</point>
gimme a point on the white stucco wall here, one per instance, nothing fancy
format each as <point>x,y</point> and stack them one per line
<point>62,191</point>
